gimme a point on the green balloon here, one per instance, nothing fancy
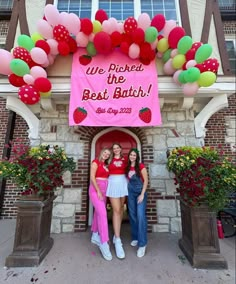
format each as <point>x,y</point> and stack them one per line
<point>19,67</point>
<point>181,77</point>
<point>26,42</point>
<point>91,49</point>
<point>184,44</point>
<point>203,52</point>
<point>206,79</point>
<point>192,74</point>
<point>151,34</point>
<point>166,55</point>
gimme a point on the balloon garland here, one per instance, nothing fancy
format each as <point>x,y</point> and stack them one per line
<point>143,39</point>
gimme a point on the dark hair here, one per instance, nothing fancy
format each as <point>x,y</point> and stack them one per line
<point>137,161</point>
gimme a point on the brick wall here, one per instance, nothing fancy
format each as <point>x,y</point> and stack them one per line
<point>216,128</point>
<point>11,192</point>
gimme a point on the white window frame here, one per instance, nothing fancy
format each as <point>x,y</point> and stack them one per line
<point>232,39</point>
<point>137,9</point>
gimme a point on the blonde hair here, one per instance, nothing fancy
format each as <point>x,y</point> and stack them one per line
<point>107,161</point>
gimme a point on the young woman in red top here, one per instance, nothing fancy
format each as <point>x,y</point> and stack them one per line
<point>99,173</point>
<point>117,192</point>
<point>137,201</point>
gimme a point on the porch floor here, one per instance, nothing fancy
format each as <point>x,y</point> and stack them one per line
<point>73,259</point>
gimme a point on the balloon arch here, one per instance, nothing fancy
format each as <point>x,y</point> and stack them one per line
<point>143,39</point>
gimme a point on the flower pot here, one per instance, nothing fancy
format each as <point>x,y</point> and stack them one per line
<point>32,234</point>
<point>199,242</point>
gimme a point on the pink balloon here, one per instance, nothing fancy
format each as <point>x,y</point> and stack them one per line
<point>174,52</point>
<point>134,51</point>
<point>51,59</point>
<point>46,64</point>
<point>120,27</point>
<point>106,27</point>
<point>44,29</point>
<point>144,21</point>
<point>175,77</point>
<point>53,46</point>
<point>168,68</point>
<point>159,54</point>
<point>5,59</point>
<point>37,72</point>
<point>82,39</point>
<point>91,37</point>
<point>154,44</point>
<point>190,89</point>
<point>191,63</point>
<point>52,14</point>
<point>29,79</point>
<point>71,22</point>
<point>38,55</point>
<point>113,25</point>
<point>169,25</point>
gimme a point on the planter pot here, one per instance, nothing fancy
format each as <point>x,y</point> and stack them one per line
<point>199,242</point>
<point>32,234</point>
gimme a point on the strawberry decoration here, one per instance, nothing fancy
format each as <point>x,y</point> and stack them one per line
<point>60,33</point>
<point>211,64</point>
<point>28,95</point>
<point>130,25</point>
<point>79,114</point>
<point>22,53</point>
<point>145,114</point>
<point>85,59</point>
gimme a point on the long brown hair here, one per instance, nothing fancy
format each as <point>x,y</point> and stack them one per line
<point>137,161</point>
<point>118,144</point>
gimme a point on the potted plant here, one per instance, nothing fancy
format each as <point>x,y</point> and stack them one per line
<point>37,171</point>
<point>205,178</point>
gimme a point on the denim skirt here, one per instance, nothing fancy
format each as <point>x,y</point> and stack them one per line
<point>117,186</point>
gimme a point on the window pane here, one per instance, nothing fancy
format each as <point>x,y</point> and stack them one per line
<point>230,46</point>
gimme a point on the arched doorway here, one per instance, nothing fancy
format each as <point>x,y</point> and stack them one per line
<point>105,139</point>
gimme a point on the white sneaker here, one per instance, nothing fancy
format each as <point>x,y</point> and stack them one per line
<point>105,250</point>
<point>119,248</point>
<point>141,251</point>
<point>134,243</point>
<point>95,239</point>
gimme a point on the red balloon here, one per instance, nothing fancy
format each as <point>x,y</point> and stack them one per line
<point>60,33</point>
<point>138,36</point>
<point>72,44</point>
<point>127,38</point>
<point>22,53</point>
<point>145,61</point>
<point>145,50</point>
<point>190,54</point>
<point>175,35</point>
<point>158,22</point>
<point>211,64</point>
<point>28,95</point>
<point>86,26</point>
<point>15,80</point>
<point>200,67</point>
<point>63,48</point>
<point>124,47</point>
<point>160,37</point>
<point>42,84</point>
<point>101,16</point>
<point>116,39</point>
<point>43,45</point>
<point>102,43</point>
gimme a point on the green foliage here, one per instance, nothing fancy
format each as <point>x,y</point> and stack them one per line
<point>36,170</point>
<point>203,174</point>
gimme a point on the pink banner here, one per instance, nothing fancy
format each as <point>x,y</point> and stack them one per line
<point>113,90</point>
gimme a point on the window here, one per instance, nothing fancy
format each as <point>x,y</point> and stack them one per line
<point>226,3</point>
<point>154,7</point>
<point>6,5</point>
<point>82,8</point>
<point>120,9</point>
<point>230,46</point>
<point>5,15</point>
